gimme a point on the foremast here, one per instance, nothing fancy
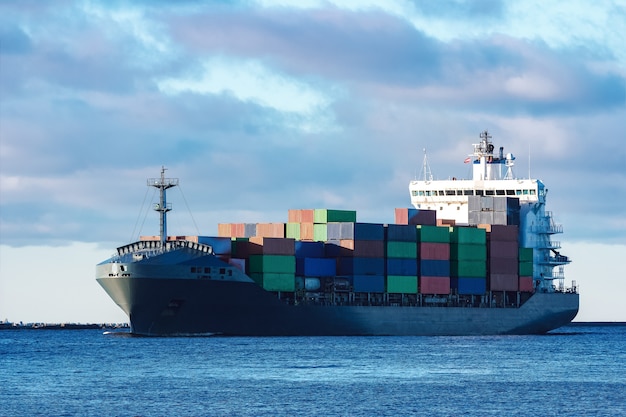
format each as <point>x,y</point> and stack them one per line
<point>163,206</point>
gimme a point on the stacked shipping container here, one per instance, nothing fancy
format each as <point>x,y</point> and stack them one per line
<point>503,252</point>
<point>468,260</point>
<point>526,270</point>
<point>434,255</point>
<point>402,256</point>
<point>318,247</point>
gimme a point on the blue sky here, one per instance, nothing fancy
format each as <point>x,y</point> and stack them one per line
<point>262,106</point>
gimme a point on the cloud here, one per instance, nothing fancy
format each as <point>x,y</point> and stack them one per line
<point>250,80</point>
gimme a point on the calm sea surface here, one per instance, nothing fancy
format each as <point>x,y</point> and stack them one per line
<point>574,371</point>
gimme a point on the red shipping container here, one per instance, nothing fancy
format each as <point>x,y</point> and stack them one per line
<point>434,250</point>
<point>503,266</point>
<point>503,282</point>
<point>503,249</point>
<point>504,232</point>
<point>526,284</point>
<point>272,246</point>
<point>364,248</point>
<point>434,285</point>
<point>237,230</point>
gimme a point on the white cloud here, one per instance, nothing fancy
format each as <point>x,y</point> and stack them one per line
<point>304,105</point>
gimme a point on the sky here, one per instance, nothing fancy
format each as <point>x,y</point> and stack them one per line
<point>263,106</point>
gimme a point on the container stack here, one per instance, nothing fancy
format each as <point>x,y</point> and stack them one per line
<point>402,258</point>
<point>300,224</point>
<point>503,252</point>
<point>434,256</point>
<point>313,269</point>
<point>360,252</point>
<point>468,254</point>
<point>317,248</point>
<point>272,263</point>
<point>526,270</point>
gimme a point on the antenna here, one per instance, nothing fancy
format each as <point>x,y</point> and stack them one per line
<point>529,161</point>
<point>427,173</point>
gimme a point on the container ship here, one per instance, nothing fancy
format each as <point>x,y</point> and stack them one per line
<point>467,257</point>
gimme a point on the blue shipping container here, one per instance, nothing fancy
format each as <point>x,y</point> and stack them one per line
<point>469,285</point>
<point>368,283</point>
<point>399,266</point>
<point>434,268</point>
<point>402,233</point>
<point>316,267</point>
<point>306,249</point>
<point>361,266</point>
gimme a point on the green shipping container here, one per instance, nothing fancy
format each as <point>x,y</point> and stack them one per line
<point>468,235</point>
<point>476,269</point>
<point>292,230</point>
<point>320,232</point>
<point>526,269</point>
<point>437,234</point>
<point>272,281</point>
<point>401,284</point>
<point>525,254</point>
<point>272,263</point>
<point>468,252</point>
<point>328,216</point>
<point>406,250</point>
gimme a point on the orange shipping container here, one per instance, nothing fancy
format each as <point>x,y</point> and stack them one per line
<point>270,229</point>
<point>306,231</point>
<point>300,216</point>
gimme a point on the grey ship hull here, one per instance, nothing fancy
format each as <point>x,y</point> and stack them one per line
<point>174,306</point>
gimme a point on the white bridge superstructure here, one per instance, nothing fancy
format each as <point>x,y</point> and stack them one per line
<point>486,199</point>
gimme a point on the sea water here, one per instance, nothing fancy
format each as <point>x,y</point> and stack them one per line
<point>574,371</point>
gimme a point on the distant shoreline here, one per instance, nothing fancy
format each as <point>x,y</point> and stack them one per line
<point>62,326</point>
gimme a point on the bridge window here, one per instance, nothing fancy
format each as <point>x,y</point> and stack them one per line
<point>510,192</point>
<point>499,192</point>
<point>207,270</point>
<point>489,192</point>
<point>468,192</point>
<point>421,192</point>
<point>459,192</point>
<point>193,269</point>
<point>479,192</point>
<point>518,192</point>
<point>222,271</point>
<point>428,193</point>
<point>525,192</point>
<point>532,192</point>
<point>450,192</point>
